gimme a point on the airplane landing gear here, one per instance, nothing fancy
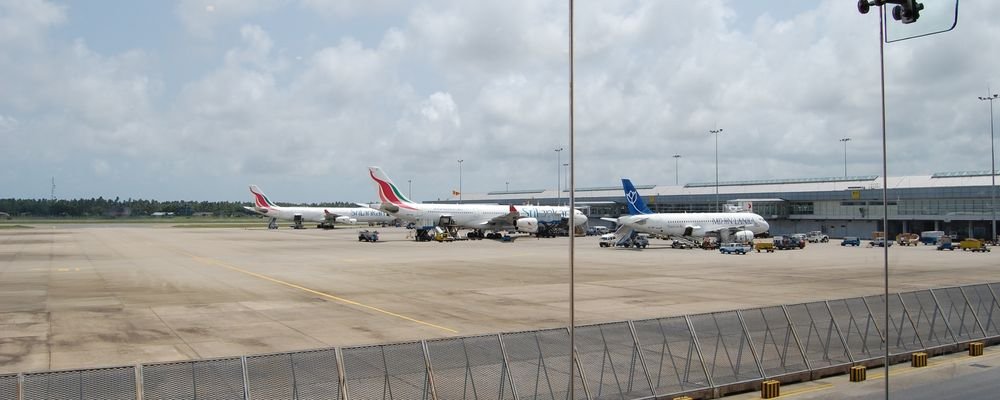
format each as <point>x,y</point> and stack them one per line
<point>272,224</point>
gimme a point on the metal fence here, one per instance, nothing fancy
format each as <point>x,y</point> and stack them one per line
<point>645,359</point>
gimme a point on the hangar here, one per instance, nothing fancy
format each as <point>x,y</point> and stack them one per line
<point>958,203</point>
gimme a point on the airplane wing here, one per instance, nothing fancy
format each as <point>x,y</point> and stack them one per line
<point>253,210</point>
<point>507,219</point>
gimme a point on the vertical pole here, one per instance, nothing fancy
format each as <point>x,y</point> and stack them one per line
<point>885,190</point>
<point>677,173</point>
<point>460,181</point>
<point>572,217</point>
<point>717,170</point>
<point>409,188</point>
<point>993,176</point>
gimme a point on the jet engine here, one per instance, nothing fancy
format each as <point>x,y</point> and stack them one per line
<point>528,225</point>
<point>345,220</point>
<point>744,236</point>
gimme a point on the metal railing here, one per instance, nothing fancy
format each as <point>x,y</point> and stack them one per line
<point>644,359</point>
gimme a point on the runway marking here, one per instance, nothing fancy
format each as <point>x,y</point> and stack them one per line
<point>315,292</point>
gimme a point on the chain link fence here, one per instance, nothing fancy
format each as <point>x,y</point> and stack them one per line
<point>645,359</point>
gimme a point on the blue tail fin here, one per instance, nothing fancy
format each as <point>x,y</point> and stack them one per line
<point>634,201</point>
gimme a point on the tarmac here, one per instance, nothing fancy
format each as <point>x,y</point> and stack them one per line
<point>75,296</point>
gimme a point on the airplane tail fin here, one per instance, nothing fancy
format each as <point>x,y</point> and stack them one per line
<point>634,201</point>
<point>259,199</point>
<point>387,191</point>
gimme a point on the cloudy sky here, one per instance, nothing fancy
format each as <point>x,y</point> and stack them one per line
<point>196,99</point>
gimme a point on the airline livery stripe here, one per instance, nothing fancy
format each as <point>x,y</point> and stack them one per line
<point>327,296</point>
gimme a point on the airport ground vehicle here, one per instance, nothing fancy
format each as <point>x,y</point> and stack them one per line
<point>817,237</point>
<point>733,248</point>
<point>851,241</point>
<point>801,237</point>
<point>879,242</point>
<point>975,245</point>
<point>931,237</point>
<point>945,244</point>
<point>765,246</point>
<point>637,241</point>
<point>607,240</point>
<point>908,239</point>
<point>368,236</point>
<point>682,244</point>
<point>786,243</point>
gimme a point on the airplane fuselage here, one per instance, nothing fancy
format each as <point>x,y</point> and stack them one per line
<point>478,216</point>
<point>695,224</point>
<point>322,214</point>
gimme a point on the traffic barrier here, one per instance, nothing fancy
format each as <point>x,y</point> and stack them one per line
<point>859,373</point>
<point>770,389</point>
<point>919,360</point>
<point>975,349</point>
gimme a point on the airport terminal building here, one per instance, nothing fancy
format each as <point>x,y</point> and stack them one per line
<point>954,202</point>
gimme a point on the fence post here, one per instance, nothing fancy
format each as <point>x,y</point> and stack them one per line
<point>246,380</point>
<point>909,318</point>
<point>429,368</point>
<point>938,310</point>
<point>20,386</point>
<point>701,356</point>
<point>795,335</point>
<point>746,333</point>
<point>836,326</point>
<point>341,375</point>
<point>138,382</point>
<point>974,315</point>
<point>506,366</point>
<point>579,369</point>
<point>642,358</point>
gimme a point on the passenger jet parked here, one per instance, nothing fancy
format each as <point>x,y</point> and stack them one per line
<point>478,217</point>
<point>741,225</point>
<point>325,217</point>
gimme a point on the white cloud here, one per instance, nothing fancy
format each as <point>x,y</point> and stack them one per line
<point>423,83</point>
<point>23,22</point>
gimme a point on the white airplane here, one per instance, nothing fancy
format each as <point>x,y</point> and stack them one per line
<point>742,226</point>
<point>478,217</point>
<point>325,217</point>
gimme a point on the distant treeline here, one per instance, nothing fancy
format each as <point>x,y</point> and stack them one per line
<point>130,207</point>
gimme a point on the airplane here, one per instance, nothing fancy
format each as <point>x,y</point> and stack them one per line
<point>540,220</point>
<point>325,217</point>
<point>742,226</point>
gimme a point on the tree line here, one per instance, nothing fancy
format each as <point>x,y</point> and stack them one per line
<point>101,207</point>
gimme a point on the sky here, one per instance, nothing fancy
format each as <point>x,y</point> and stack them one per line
<point>195,100</point>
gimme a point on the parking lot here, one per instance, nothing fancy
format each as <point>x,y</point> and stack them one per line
<point>98,295</point>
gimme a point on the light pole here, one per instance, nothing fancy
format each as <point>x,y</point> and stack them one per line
<point>558,175</point>
<point>716,132</point>
<point>677,174</point>
<point>508,187</point>
<point>845,140</point>
<point>566,167</point>
<point>460,181</point>
<point>409,188</point>
<point>993,169</point>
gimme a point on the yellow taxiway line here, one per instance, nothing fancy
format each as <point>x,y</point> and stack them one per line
<point>328,296</point>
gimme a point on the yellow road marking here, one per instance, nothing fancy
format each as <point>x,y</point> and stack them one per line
<point>316,292</point>
<point>62,269</point>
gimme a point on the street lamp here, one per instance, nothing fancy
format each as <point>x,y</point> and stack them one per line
<point>716,132</point>
<point>508,187</point>
<point>845,140</point>
<point>409,188</point>
<point>460,181</point>
<point>566,167</point>
<point>677,174</point>
<point>993,169</point>
<point>558,175</point>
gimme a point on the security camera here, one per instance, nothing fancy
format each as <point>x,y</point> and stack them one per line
<point>907,12</point>
<point>863,6</point>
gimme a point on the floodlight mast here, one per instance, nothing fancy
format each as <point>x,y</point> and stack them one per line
<point>907,12</point>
